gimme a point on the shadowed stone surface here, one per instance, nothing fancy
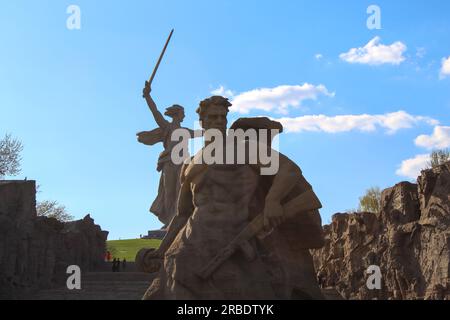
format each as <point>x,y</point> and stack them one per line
<point>36,251</point>
<point>409,239</point>
<point>102,286</point>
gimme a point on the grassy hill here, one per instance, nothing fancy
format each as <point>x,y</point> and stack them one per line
<point>128,248</point>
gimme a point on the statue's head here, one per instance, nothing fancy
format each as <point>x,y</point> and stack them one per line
<point>213,113</point>
<point>176,112</point>
<point>259,123</point>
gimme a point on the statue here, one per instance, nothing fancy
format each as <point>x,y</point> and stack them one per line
<point>164,206</point>
<point>237,234</point>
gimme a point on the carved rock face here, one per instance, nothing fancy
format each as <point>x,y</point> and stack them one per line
<point>434,186</point>
<point>35,251</point>
<point>409,239</point>
<point>400,204</point>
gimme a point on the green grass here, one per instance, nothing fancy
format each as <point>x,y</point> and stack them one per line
<point>128,248</point>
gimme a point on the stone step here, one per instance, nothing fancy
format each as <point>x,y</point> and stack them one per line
<point>331,294</point>
<point>103,286</point>
<point>116,276</point>
<point>90,295</point>
<point>120,286</point>
<point>115,285</point>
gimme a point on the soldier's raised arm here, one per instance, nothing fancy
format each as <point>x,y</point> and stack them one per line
<point>162,123</point>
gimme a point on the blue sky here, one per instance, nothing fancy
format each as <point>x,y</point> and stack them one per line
<point>74,96</point>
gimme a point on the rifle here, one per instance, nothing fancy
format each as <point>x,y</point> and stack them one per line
<point>305,202</point>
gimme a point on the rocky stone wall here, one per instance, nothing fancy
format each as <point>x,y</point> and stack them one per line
<point>36,251</point>
<point>409,240</point>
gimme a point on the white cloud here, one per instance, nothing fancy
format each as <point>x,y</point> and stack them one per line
<point>375,53</point>
<point>411,168</point>
<point>277,99</point>
<point>445,69</point>
<point>440,139</point>
<point>318,56</point>
<point>222,91</point>
<point>391,122</point>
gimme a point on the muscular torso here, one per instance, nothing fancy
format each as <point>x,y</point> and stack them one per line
<point>221,197</point>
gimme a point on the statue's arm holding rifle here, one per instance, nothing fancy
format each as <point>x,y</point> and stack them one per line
<point>274,213</point>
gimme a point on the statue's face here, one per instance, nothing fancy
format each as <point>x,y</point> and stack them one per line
<point>215,118</point>
<point>180,116</point>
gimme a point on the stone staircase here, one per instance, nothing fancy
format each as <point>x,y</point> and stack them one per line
<point>103,286</point>
<point>331,294</point>
<point>126,285</point>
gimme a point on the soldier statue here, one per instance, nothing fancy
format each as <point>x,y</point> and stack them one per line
<point>237,234</point>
